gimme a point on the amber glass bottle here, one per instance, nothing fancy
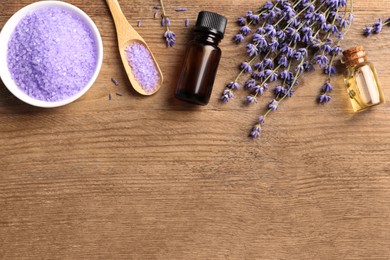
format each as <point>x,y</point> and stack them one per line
<point>202,58</point>
<point>362,81</point>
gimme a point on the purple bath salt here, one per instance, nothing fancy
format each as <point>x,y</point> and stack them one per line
<point>52,54</point>
<point>143,67</point>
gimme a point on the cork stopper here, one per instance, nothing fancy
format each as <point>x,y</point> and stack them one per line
<point>355,56</point>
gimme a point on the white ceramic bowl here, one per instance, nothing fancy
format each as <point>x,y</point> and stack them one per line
<point>5,36</point>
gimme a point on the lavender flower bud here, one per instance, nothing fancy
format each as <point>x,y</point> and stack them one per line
<point>238,38</point>
<point>283,61</point>
<point>251,100</point>
<point>268,63</point>
<point>321,19</point>
<point>321,60</point>
<point>259,66</point>
<point>273,45</point>
<point>377,27</point>
<point>270,30</point>
<point>251,49</point>
<point>255,19</point>
<point>278,91</point>
<point>259,40</point>
<point>241,21</point>
<point>336,50</point>
<point>245,30</point>
<point>268,5</point>
<point>324,98</point>
<point>308,66</point>
<point>326,48</point>
<point>250,84</point>
<point>227,95</point>
<point>249,14</point>
<point>330,70</point>
<point>261,120</point>
<point>256,131</point>
<point>258,76</point>
<point>334,29</point>
<point>327,88</point>
<point>286,75</point>
<point>170,38</point>
<point>259,90</point>
<point>233,85</point>
<point>246,67</point>
<point>273,104</point>
<point>367,31</point>
<point>260,30</point>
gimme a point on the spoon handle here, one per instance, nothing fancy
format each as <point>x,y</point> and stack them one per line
<point>120,19</point>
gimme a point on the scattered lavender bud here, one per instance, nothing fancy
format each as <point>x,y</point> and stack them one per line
<point>119,94</point>
<point>186,22</point>
<point>139,23</point>
<point>109,96</point>
<point>156,7</point>
<point>115,81</point>
<point>155,15</point>
<point>181,9</point>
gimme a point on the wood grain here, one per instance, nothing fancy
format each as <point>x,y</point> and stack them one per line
<point>154,178</point>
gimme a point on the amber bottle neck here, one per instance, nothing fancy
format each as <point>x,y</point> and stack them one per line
<point>207,38</point>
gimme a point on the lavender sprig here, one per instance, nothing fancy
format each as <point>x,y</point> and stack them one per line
<point>170,36</point>
<point>377,27</point>
<point>293,37</point>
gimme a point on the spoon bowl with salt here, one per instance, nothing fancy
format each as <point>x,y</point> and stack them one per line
<point>141,66</point>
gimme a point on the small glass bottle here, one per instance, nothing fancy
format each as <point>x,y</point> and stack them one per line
<point>362,81</point>
<point>202,58</point>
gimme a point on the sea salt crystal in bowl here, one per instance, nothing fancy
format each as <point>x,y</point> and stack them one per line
<point>51,53</point>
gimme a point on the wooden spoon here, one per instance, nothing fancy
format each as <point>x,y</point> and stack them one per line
<point>126,36</point>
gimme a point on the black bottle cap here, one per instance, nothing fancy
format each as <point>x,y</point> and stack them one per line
<point>211,22</point>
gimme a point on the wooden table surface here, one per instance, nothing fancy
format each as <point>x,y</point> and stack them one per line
<point>154,178</point>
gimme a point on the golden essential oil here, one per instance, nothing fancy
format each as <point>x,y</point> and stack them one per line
<point>361,79</point>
